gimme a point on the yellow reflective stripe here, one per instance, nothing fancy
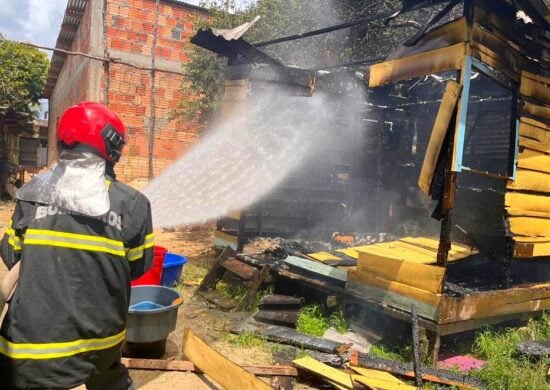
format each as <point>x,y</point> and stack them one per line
<point>74,241</point>
<point>137,252</point>
<point>14,240</point>
<point>108,182</point>
<point>39,351</point>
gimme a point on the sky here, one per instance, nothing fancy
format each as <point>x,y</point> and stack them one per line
<point>37,21</point>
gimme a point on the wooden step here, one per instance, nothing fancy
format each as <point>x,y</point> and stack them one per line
<point>244,271</point>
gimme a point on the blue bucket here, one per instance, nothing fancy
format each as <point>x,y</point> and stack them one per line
<point>171,270</point>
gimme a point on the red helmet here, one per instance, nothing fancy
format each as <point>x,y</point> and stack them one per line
<point>93,124</point>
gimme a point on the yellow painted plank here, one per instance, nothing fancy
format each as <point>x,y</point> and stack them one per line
<point>376,374</point>
<point>429,62</point>
<point>534,122</point>
<point>323,256</point>
<point>540,110</point>
<point>517,212</point>
<point>529,250</point>
<point>530,226</point>
<point>229,375</point>
<point>531,130</point>
<point>375,383</point>
<point>391,251</point>
<point>535,86</point>
<point>528,180</point>
<point>530,202</point>
<point>329,373</point>
<point>534,160</point>
<point>534,145</point>
<point>441,125</point>
<point>386,285</point>
<point>457,251</point>
<point>531,239</point>
<point>422,276</point>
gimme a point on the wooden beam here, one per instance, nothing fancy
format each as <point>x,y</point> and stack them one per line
<point>439,131</point>
<point>530,298</point>
<point>187,366</point>
<point>530,130</point>
<point>530,202</point>
<point>434,61</point>
<point>424,277</point>
<point>226,373</point>
<point>381,384</point>
<point>530,226</point>
<point>491,58</point>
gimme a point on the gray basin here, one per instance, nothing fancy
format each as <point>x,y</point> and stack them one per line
<point>151,316</point>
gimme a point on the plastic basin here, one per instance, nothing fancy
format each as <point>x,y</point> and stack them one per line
<point>152,314</point>
<point>171,271</point>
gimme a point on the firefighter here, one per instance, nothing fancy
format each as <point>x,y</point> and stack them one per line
<point>80,237</point>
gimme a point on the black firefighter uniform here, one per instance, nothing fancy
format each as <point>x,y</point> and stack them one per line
<point>66,320</point>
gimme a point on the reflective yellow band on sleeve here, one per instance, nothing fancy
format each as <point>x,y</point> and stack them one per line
<point>13,239</point>
<point>74,241</point>
<point>137,252</point>
<point>41,351</point>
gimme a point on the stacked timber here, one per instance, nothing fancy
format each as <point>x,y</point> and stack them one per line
<point>527,198</point>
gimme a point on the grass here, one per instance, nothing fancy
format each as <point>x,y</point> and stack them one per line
<point>231,289</point>
<point>387,352</point>
<point>312,321</point>
<point>507,370</point>
<point>246,340</point>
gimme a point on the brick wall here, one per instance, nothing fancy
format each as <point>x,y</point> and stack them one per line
<point>130,26</point>
<point>130,37</point>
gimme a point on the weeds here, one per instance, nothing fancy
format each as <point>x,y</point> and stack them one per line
<point>386,352</point>
<point>246,340</point>
<point>338,321</point>
<point>507,370</point>
<point>311,321</point>
<point>230,289</point>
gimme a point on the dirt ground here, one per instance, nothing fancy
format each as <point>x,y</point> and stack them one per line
<point>211,324</point>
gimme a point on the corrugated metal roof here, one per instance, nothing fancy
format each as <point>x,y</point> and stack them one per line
<point>69,26</point>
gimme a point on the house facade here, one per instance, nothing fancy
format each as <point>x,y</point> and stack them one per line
<point>126,31</point>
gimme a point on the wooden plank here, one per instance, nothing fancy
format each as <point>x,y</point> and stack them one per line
<point>527,180</point>
<point>250,295</point>
<point>316,268</point>
<point>529,130</point>
<point>222,240</point>
<point>389,298</point>
<point>439,131</point>
<point>187,366</point>
<point>243,270</point>
<point>326,372</point>
<point>376,383</point>
<point>376,374</point>
<point>396,287</point>
<point>534,145</point>
<point>529,250</point>
<point>445,35</point>
<point>530,226</point>
<point>517,212</point>
<point>531,202</point>
<point>429,62</point>
<point>277,317</point>
<point>424,277</point>
<point>537,110</point>
<point>534,160</point>
<point>504,49</point>
<point>534,122</point>
<point>535,86</point>
<point>223,302</point>
<point>216,272</point>
<point>530,298</point>
<point>457,251</point>
<point>489,57</point>
<point>324,256</point>
<point>229,375</point>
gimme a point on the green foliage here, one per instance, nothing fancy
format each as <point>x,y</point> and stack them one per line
<point>311,321</point>
<point>387,352</point>
<point>23,71</point>
<point>246,340</point>
<point>505,369</point>
<point>338,321</point>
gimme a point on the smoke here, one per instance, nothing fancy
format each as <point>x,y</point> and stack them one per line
<point>242,160</point>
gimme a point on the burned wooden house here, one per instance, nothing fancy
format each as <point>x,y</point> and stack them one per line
<point>459,127</point>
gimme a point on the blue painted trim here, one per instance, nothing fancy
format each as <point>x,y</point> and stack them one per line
<point>463,114</point>
<point>516,152</point>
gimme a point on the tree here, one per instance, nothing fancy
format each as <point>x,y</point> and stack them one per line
<point>23,71</point>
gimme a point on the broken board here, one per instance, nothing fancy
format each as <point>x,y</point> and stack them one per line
<point>229,375</point>
<point>328,373</point>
